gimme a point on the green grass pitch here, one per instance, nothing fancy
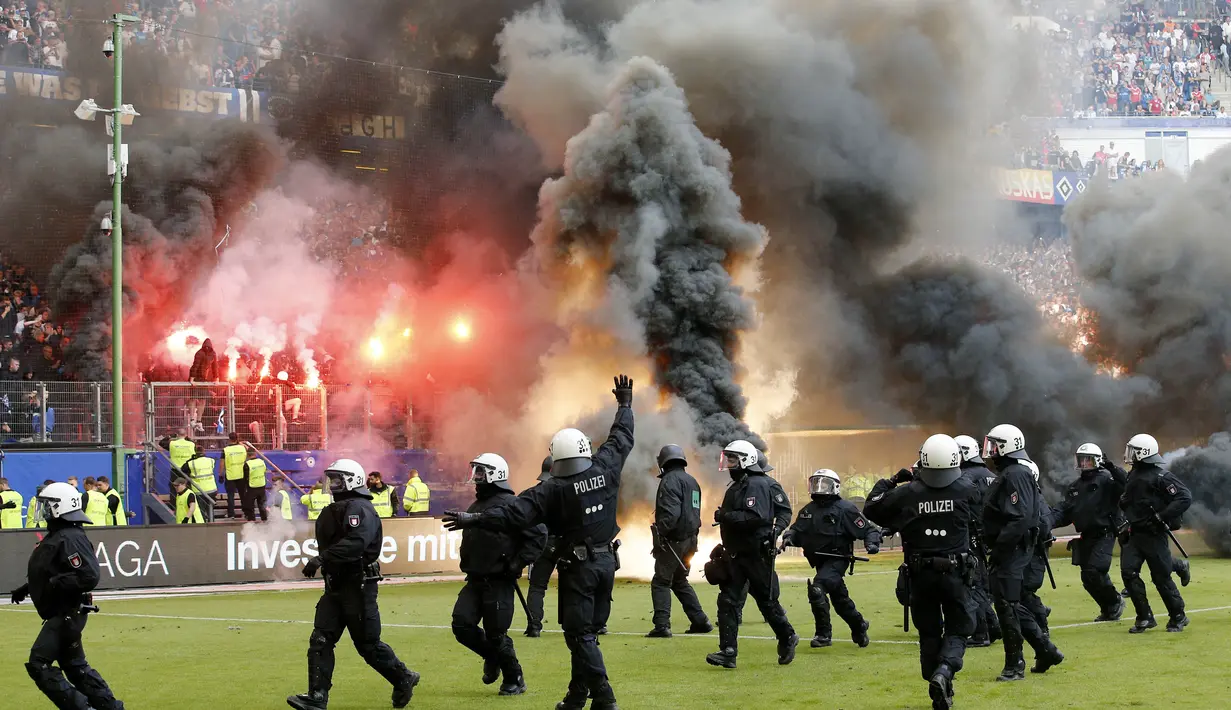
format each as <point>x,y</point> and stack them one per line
<point>245,651</point>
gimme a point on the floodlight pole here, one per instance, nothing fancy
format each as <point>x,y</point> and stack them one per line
<point>120,477</point>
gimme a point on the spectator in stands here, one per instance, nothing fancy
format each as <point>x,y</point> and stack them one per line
<point>204,370</point>
<point>13,372</point>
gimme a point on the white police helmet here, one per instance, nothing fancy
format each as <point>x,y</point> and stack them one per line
<point>491,469</point>
<point>62,502</point>
<point>1142,448</point>
<point>969,447</point>
<point>739,455</point>
<point>824,482</point>
<point>1089,457</point>
<point>1004,440</point>
<point>347,476</point>
<point>571,453</point>
<point>940,461</point>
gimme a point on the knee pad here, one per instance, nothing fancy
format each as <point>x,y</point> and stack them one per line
<point>37,670</point>
<point>319,640</point>
<point>816,595</point>
<point>1130,577</point>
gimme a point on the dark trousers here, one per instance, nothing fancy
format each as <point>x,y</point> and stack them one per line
<point>987,625</point>
<point>585,605</point>
<point>670,577</point>
<point>756,572</point>
<point>944,616</point>
<point>1032,582</point>
<point>1006,575</point>
<point>254,504</point>
<point>235,489</point>
<point>349,607</point>
<point>1092,553</point>
<point>1154,550</point>
<point>540,575</point>
<point>488,602</point>
<point>829,587</point>
<point>74,685</point>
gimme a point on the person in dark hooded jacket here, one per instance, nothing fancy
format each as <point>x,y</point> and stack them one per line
<point>677,522</point>
<point>204,370</point>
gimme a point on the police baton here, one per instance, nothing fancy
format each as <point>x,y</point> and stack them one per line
<point>1167,529</point>
<point>521,598</point>
<point>667,544</point>
<point>1047,564</point>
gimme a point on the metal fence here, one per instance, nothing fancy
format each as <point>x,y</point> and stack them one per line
<point>275,416</point>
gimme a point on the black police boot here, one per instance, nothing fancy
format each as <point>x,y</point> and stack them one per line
<point>940,688</point>
<point>534,631</point>
<point>704,627</point>
<point>1177,623</point>
<point>1050,656</point>
<point>1143,625</point>
<point>1014,669</point>
<point>405,688</point>
<point>315,700</point>
<point>516,686</point>
<point>1184,572</point>
<point>491,671</point>
<point>659,632</point>
<point>978,641</point>
<point>602,631</point>
<point>1112,614</point>
<point>603,699</point>
<point>723,659</point>
<point>786,649</point>
<point>821,642</point>
<point>860,635</point>
<point>574,699</point>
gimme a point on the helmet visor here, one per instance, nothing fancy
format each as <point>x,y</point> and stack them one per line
<point>479,473</point>
<point>1087,462</point>
<point>991,447</point>
<point>728,461</point>
<point>337,482</point>
<point>822,486</point>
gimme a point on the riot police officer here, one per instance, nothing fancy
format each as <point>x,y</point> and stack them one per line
<point>1011,522</point>
<point>579,505</point>
<point>933,514</point>
<point>754,512</point>
<point>826,530</point>
<point>61,574</point>
<point>540,573</point>
<point>1036,569</point>
<point>349,534</point>
<point>677,523</point>
<point>1154,499</point>
<point>987,626</point>
<point>492,561</point>
<point>1092,504</point>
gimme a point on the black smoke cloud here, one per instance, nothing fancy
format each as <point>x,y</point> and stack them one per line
<point>1207,472</point>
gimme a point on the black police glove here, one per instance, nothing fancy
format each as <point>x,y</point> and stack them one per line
<point>313,566</point>
<point>872,549</point>
<point>623,391</point>
<point>718,516</point>
<point>20,594</point>
<point>904,475</point>
<point>458,520</point>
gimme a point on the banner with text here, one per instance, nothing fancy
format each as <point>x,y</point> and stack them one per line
<point>187,555</point>
<point>1044,187</point>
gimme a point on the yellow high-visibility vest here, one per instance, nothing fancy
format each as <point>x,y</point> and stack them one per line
<point>34,516</point>
<point>417,495</point>
<point>383,502</point>
<point>234,457</point>
<point>315,503</point>
<point>256,473</point>
<point>10,518</point>
<point>120,518</point>
<point>181,450</point>
<point>202,472</point>
<point>288,511</point>
<point>96,508</point>
<point>181,509</point>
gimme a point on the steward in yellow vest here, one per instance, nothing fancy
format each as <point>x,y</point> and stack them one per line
<point>234,456</point>
<point>384,498</point>
<point>417,495</point>
<point>316,500</point>
<point>180,449</point>
<point>34,514</point>
<point>254,486</point>
<point>283,499</point>
<point>200,470</point>
<point>95,503</point>
<point>186,509</point>
<point>10,507</point>
<point>115,503</point>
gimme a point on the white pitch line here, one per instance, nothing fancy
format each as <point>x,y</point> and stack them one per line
<point>1099,623</point>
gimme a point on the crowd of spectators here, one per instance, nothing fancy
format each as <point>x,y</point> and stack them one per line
<point>33,34</point>
<point>31,345</point>
<point>1107,161</point>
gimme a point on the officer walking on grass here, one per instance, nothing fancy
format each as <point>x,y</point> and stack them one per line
<point>987,626</point>
<point>933,514</point>
<point>826,529</point>
<point>579,505</point>
<point>754,512</point>
<point>677,523</point>
<point>60,577</point>
<point>492,562</point>
<point>539,575</point>
<point>349,534</point>
<point>1092,505</point>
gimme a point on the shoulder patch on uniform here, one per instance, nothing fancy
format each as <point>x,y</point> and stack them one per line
<point>778,497</point>
<point>1171,489</point>
<point>859,522</point>
<point>74,560</point>
<point>878,496</point>
<point>1013,498</point>
<point>352,520</point>
<point>751,502</point>
<point>805,514</point>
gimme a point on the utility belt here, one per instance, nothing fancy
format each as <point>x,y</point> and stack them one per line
<point>585,551</point>
<point>1096,533</point>
<point>960,562</point>
<point>357,576</point>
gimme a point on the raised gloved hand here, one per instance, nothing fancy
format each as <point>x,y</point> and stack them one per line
<point>458,520</point>
<point>312,567</point>
<point>904,475</point>
<point>20,594</point>
<point>623,391</point>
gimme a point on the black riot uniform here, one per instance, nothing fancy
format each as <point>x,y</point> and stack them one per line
<point>492,562</point>
<point>677,522</point>
<point>934,523</point>
<point>1154,500</point>
<point>754,511</point>
<point>580,510</point>
<point>1012,520</point>
<point>540,574</point>
<point>826,529</point>
<point>1092,505</point>
<point>987,625</point>
<point>349,536</point>
<point>1036,569</point>
<point>59,578</point>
